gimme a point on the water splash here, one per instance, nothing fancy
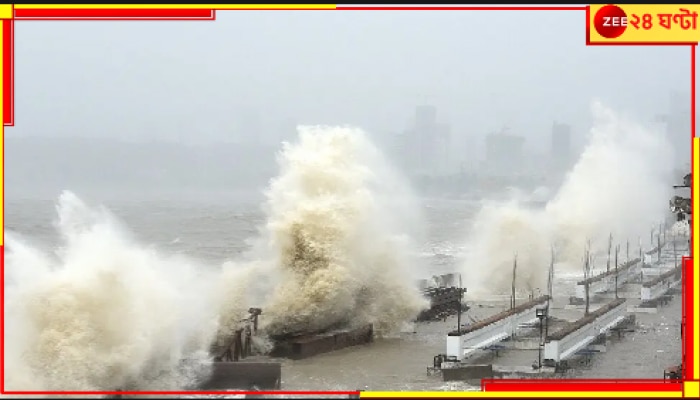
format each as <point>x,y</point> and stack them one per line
<point>336,236</point>
<point>103,313</point>
<point>621,184</point>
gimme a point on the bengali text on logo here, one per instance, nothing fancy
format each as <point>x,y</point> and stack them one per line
<point>644,23</point>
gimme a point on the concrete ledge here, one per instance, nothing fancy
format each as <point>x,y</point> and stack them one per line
<point>464,372</point>
<point>573,326</point>
<point>500,316</point>
<point>521,371</point>
<point>676,273</point>
<point>243,375</point>
<point>492,330</point>
<point>642,310</point>
<point>575,339</point>
<point>311,345</point>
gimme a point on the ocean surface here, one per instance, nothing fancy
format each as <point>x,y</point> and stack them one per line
<point>214,230</point>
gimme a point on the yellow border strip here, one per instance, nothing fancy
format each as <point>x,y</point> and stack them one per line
<point>6,11</point>
<point>691,389</point>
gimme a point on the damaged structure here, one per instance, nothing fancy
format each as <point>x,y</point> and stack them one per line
<point>232,367</point>
<point>236,366</point>
<point>445,293</point>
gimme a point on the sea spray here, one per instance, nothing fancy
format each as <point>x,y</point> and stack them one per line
<point>103,313</point>
<point>620,185</point>
<point>240,287</point>
<point>336,234</point>
<point>506,231</point>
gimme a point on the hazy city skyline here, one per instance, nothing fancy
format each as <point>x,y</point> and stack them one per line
<point>251,77</point>
<point>188,80</point>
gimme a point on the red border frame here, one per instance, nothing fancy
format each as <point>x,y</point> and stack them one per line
<point>505,385</point>
<point>113,14</point>
<point>8,72</point>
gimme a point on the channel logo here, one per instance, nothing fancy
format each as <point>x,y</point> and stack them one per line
<point>610,21</point>
<point>650,23</point>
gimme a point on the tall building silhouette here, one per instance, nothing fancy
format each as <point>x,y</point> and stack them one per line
<point>560,151</point>
<point>426,144</point>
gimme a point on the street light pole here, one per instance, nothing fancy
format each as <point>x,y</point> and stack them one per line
<point>539,350</point>
<point>459,309</point>
<point>541,313</point>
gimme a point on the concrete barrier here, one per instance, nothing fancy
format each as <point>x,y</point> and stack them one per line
<point>310,345</point>
<point>492,330</point>
<point>243,375</point>
<point>655,288</point>
<point>465,372</point>
<point>566,342</point>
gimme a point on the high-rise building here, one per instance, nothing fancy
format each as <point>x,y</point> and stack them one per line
<point>504,154</point>
<point>426,144</point>
<point>561,146</point>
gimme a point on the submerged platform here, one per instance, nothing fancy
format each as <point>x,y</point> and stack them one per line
<point>243,375</point>
<point>465,372</point>
<point>305,346</point>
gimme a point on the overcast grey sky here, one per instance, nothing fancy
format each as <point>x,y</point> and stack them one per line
<point>191,80</point>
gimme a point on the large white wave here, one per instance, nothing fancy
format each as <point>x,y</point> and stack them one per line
<point>103,313</point>
<point>336,237</point>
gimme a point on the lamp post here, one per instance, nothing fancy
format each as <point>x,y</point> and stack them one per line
<point>541,313</point>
